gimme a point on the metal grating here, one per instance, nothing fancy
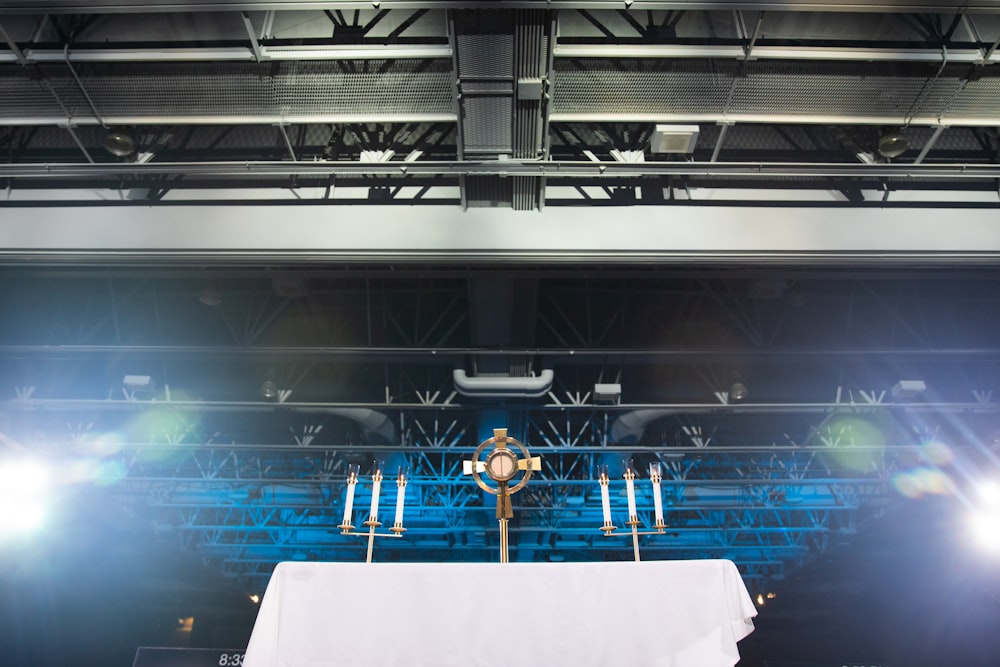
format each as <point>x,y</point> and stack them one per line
<point>768,88</point>
<point>486,124</point>
<point>25,97</point>
<point>979,99</point>
<point>247,90</point>
<point>777,88</point>
<point>639,86</point>
<point>485,55</point>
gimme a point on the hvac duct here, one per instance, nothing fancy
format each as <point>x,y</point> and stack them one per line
<point>371,422</point>
<point>503,386</point>
<point>628,429</point>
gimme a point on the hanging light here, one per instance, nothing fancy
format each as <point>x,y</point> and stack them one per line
<point>738,392</point>
<point>892,143</point>
<point>269,390</point>
<point>119,142</point>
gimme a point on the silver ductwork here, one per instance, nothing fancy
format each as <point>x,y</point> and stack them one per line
<point>371,422</point>
<point>629,428</point>
<point>502,385</point>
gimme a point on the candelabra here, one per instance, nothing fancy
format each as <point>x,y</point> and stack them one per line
<point>633,520</point>
<point>397,530</point>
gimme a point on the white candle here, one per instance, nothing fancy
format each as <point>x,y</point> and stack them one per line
<point>352,481</point>
<point>630,487</point>
<point>400,499</point>
<point>654,475</point>
<point>376,486</point>
<point>605,500</point>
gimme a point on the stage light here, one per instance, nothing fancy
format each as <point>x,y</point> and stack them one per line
<point>21,519</point>
<point>24,486</point>
<point>23,477</point>
<point>255,598</point>
<point>269,390</point>
<point>989,493</point>
<point>985,527</point>
<point>984,523</point>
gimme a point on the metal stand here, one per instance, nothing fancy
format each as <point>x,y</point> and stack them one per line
<point>397,530</point>
<point>633,522</point>
<point>504,550</point>
<point>501,466</point>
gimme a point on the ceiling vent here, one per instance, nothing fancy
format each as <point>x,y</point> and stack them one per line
<point>674,139</point>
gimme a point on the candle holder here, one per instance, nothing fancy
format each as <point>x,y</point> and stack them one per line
<point>397,530</point>
<point>633,522</point>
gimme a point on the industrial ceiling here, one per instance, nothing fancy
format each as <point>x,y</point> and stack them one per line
<point>249,244</point>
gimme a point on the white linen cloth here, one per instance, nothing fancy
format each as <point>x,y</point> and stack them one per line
<point>653,613</point>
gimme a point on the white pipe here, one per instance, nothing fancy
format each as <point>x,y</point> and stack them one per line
<point>503,386</point>
<point>628,428</point>
<point>371,421</point>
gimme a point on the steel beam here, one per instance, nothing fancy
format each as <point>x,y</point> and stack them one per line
<point>234,53</point>
<point>584,116</point>
<point>505,168</point>
<point>143,6</point>
<point>736,52</point>
<point>249,119</point>
<point>708,234</point>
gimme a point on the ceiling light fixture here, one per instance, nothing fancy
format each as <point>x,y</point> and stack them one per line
<point>119,142</point>
<point>269,390</point>
<point>738,392</point>
<point>892,143</point>
<point>674,139</point>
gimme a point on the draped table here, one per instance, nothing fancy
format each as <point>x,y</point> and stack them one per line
<point>646,614</point>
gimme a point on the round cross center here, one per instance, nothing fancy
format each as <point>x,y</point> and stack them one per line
<point>501,465</point>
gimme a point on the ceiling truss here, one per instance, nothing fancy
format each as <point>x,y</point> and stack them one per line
<point>518,108</point>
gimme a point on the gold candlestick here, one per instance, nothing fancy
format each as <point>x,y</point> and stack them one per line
<point>502,465</point>
<point>347,528</point>
<point>633,522</point>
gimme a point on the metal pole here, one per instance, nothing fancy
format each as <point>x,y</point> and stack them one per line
<point>371,542</point>
<point>504,556</point>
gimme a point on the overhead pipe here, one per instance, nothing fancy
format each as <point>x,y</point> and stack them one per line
<point>503,386</point>
<point>371,421</point>
<point>551,170</point>
<point>629,428</point>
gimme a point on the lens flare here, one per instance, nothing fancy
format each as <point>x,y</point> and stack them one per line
<point>921,482</point>
<point>855,443</point>
<point>937,453</point>
<point>109,473</point>
<point>107,444</point>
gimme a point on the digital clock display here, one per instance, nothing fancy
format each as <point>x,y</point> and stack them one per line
<point>147,656</point>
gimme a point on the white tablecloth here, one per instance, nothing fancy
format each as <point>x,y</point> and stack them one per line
<point>656,614</point>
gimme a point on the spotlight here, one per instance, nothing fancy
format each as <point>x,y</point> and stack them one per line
<point>119,142</point>
<point>269,390</point>
<point>738,392</point>
<point>892,143</point>
<point>985,522</point>
<point>23,488</point>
